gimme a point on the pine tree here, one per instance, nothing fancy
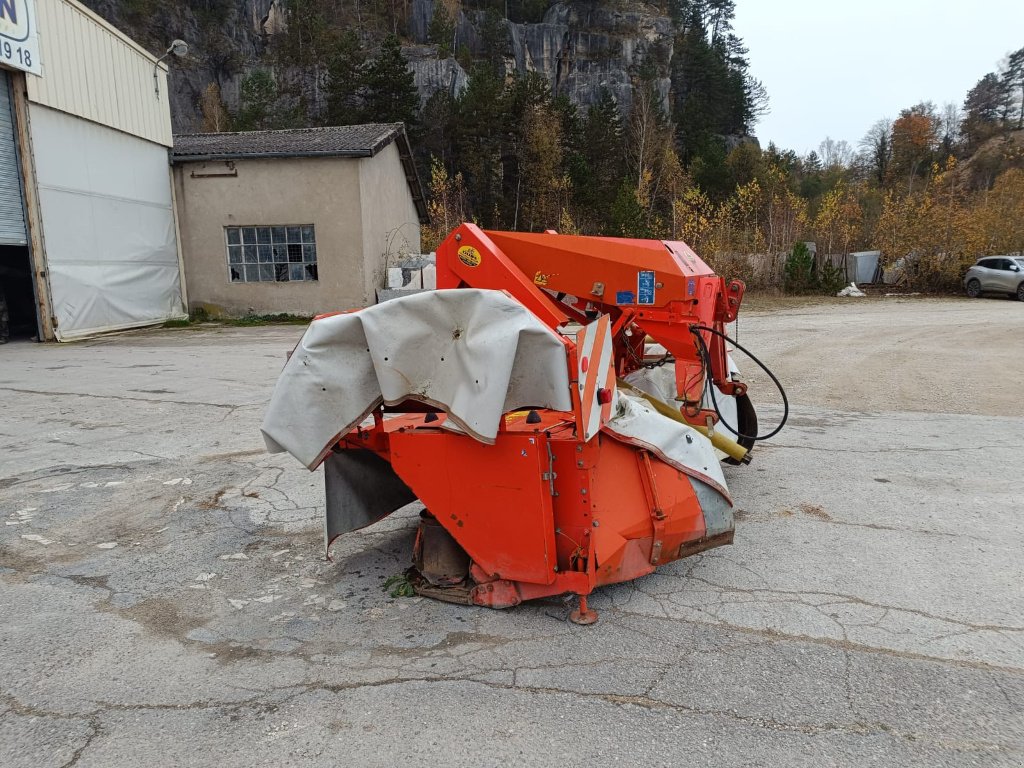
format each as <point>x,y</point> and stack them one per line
<point>307,36</point>
<point>525,92</point>
<point>441,30</point>
<point>720,15</point>
<point>479,127</point>
<point>812,163</point>
<point>345,81</point>
<point>705,99</point>
<point>714,94</point>
<point>437,132</point>
<point>709,170</point>
<point>1013,81</point>
<point>628,217</point>
<point>257,110</point>
<point>984,109</point>
<point>571,124</point>
<point>494,40</point>
<point>599,171</point>
<point>391,95</point>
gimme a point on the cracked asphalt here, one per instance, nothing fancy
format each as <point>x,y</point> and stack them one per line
<point>165,600</point>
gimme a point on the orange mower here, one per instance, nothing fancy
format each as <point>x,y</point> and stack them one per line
<point>561,405</point>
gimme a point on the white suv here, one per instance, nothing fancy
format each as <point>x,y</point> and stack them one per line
<point>996,274</point>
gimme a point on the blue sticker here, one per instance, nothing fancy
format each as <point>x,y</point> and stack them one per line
<point>644,287</point>
<point>624,297</point>
<point>691,287</point>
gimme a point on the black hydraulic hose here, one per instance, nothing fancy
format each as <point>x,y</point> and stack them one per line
<point>706,356</point>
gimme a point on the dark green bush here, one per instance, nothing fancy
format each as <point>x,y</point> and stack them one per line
<point>831,279</point>
<point>798,275</point>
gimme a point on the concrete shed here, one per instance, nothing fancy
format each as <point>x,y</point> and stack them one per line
<point>299,221</point>
<point>87,231</point>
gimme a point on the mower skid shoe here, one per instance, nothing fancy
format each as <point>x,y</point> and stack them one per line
<point>494,594</point>
<point>452,593</point>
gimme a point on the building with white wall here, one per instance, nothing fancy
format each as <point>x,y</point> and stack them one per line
<point>86,198</point>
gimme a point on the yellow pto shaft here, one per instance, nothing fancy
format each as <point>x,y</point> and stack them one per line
<point>723,443</point>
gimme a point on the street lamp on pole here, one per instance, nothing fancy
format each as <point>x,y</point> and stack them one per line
<point>179,48</point>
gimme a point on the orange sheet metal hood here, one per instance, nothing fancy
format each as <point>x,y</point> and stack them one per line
<point>574,262</point>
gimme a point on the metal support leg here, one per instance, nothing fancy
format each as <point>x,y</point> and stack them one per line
<point>583,615</point>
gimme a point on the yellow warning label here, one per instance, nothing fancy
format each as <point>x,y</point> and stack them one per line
<point>469,256</point>
<point>540,279</point>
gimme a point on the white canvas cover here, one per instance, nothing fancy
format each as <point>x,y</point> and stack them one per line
<point>108,225</point>
<point>637,423</point>
<point>660,382</point>
<point>477,354</point>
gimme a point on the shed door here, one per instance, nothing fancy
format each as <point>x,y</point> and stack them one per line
<point>12,210</point>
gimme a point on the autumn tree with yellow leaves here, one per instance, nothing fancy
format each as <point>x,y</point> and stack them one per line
<point>447,205</point>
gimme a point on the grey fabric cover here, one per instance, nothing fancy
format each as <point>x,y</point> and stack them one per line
<point>477,354</point>
<point>634,421</point>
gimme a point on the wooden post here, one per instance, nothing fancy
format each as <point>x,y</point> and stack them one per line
<point>173,177</point>
<point>36,249</point>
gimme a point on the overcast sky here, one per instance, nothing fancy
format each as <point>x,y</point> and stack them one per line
<point>834,68</point>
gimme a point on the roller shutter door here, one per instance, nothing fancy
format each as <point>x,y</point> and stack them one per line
<point>12,209</point>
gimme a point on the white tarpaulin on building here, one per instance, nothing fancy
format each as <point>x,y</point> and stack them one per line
<point>108,225</point>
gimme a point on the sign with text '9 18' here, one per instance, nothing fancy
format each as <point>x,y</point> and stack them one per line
<point>19,40</point>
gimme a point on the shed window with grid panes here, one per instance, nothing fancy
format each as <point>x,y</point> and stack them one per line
<point>277,254</point>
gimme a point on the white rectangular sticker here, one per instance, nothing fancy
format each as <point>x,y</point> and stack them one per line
<point>595,376</point>
<point>19,38</point>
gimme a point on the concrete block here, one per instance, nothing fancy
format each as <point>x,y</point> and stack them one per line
<point>395,277</point>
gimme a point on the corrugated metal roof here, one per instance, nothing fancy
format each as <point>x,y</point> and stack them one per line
<point>342,141</point>
<point>95,72</point>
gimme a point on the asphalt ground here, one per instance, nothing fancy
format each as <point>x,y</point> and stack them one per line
<point>164,599</point>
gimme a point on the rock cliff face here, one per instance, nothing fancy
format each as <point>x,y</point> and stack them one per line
<point>226,38</point>
<point>580,47</point>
